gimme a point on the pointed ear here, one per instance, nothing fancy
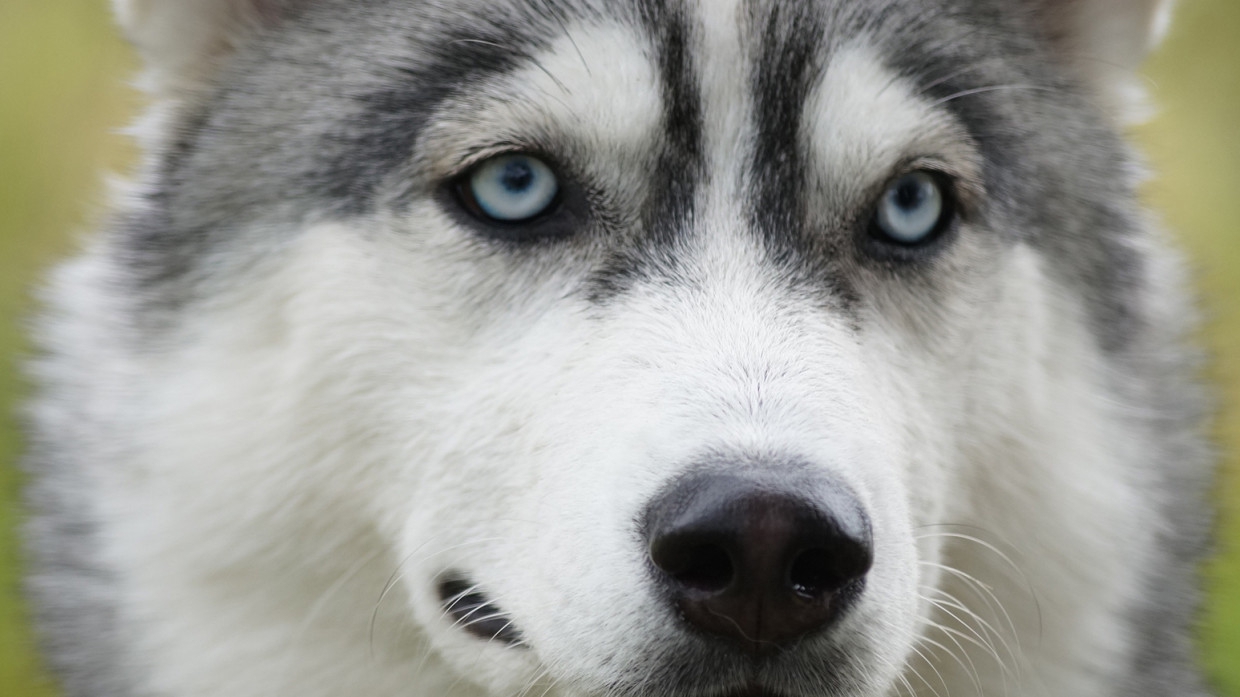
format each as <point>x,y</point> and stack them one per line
<point>183,41</point>
<point>1104,42</point>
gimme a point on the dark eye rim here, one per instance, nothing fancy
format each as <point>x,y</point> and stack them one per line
<point>877,243</point>
<point>560,219</point>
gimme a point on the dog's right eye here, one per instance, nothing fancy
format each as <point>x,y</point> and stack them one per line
<point>913,209</point>
<point>509,189</point>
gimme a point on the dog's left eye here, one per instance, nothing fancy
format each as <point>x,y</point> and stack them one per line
<point>913,210</point>
<point>510,188</point>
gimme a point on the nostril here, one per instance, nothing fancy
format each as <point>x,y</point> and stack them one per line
<point>820,571</point>
<point>815,573</point>
<point>703,567</point>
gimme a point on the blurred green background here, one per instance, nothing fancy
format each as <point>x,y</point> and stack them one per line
<point>64,97</point>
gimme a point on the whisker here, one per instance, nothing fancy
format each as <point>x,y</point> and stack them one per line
<point>947,603</point>
<point>955,635</point>
<point>538,64</point>
<point>929,664</point>
<point>970,669</point>
<point>951,602</point>
<point>321,602</point>
<point>983,90</point>
<point>904,683</point>
<point>559,19</point>
<point>503,629</point>
<point>532,682</point>
<point>467,621</point>
<point>978,541</point>
<point>984,591</point>
<point>550,686</point>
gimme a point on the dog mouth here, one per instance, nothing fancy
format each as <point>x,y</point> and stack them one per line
<point>472,611</point>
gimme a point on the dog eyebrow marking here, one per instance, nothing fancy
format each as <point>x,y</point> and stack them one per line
<point>863,119</point>
<point>794,44</point>
<point>556,97</point>
<point>393,118</point>
<point>679,165</point>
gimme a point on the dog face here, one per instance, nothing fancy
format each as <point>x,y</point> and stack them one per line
<point>650,343</point>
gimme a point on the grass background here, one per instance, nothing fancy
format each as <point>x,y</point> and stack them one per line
<point>64,96</point>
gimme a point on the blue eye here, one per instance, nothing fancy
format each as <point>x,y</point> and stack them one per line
<point>511,188</point>
<point>912,209</point>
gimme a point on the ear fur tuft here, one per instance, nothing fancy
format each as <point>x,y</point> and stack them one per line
<point>183,41</point>
<point>1104,42</point>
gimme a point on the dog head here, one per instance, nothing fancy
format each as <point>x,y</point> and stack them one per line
<point>649,341</point>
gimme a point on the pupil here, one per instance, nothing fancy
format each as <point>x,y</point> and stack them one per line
<point>517,177</point>
<point>911,195</point>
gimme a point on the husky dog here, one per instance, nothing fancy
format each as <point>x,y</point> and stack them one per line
<point>629,348</point>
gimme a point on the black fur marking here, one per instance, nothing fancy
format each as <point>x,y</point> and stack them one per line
<point>790,63</point>
<point>673,183</point>
<point>381,140</point>
<point>473,611</point>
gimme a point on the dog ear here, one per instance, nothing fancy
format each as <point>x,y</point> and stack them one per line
<point>183,41</point>
<point>1104,42</point>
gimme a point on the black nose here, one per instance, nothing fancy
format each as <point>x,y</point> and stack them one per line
<point>756,562</point>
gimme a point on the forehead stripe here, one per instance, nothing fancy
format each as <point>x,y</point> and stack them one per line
<point>790,63</point>
<point>678,173</point>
